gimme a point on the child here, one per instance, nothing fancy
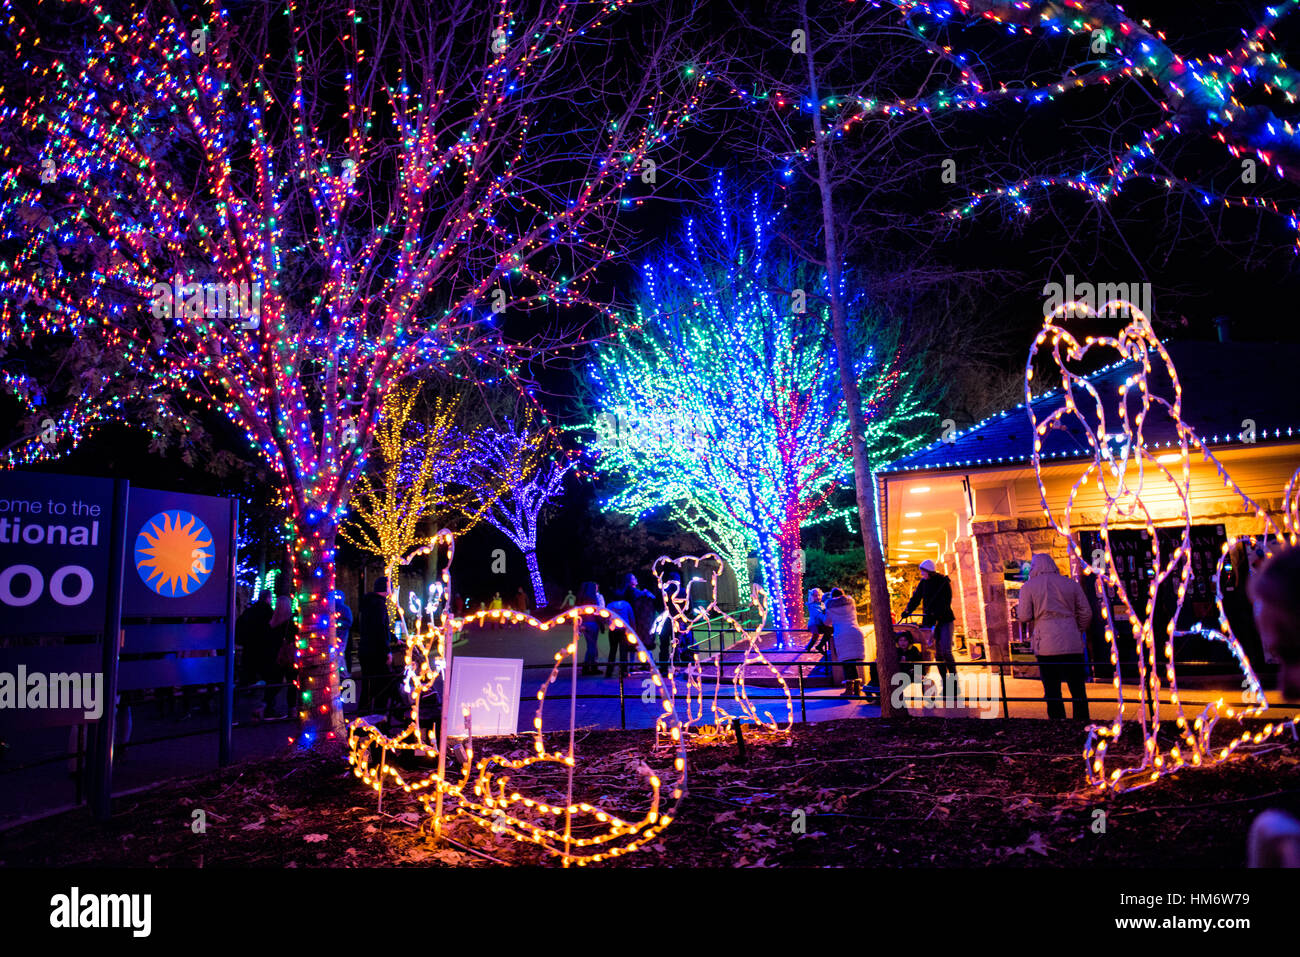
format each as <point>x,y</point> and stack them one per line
<point>911,663</point>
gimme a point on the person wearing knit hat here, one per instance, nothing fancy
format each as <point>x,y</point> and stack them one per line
<point>853,649</point>
<point>934,594</point>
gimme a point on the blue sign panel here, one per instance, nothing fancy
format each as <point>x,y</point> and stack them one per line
<point>178,550</point>
<point>54,553</point>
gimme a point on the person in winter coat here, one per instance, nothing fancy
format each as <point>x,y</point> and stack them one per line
<point>934,594</point>
<point>910,656</point>
<point>253,636</point>
<point>589,594</point>
<point>1274,591</point>
<point>634,605</point>
<point>848,638</point>
<point>342,631</point>
<point>283,632</point>
<point>372,647</point>
<point>1055,610</point>
<point>819,631</point>
<point>661,629</point>
<point>621,604</point>
<point>643,615</point>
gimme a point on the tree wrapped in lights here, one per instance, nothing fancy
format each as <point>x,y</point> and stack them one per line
<point>697,510</point>
<point>416,478</point>
<point>730,390</point>
<point>377,182</point>
<point>515,473</point>
<point>1243,97</point>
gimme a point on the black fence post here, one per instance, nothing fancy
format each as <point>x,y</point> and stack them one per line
<point>803,703</point>
<point>227,709</point>
<point>101,796</point>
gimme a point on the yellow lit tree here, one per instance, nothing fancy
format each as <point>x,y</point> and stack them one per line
<point>417,483</point>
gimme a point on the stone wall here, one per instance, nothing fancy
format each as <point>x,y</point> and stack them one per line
<point>966,587</point>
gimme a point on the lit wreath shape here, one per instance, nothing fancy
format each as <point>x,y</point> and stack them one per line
<point>481,791</point>
<point>682,618</point>
<point>1123,474</point>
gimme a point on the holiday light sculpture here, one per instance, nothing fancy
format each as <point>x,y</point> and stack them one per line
<point>731,388</point>
<point>387,222</point>
<point>1128,471</point>
<point>577,832</point>
<point>683,614</point>
<point>1217,96</point>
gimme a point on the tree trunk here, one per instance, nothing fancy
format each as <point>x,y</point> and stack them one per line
<point>792,574</point>
<point>392,566</point>
<point>317,680</point>
<point>771,562</point>
<point>864,482</point>
<point>535,576</point>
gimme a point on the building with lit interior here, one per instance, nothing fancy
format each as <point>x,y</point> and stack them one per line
<point>972,503</point>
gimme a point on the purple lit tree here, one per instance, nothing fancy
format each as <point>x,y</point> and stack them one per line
<point>519,471</point>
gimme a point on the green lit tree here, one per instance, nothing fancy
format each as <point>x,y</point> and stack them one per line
<point>722,403</point>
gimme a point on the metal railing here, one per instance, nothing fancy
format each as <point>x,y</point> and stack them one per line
<point>716,663</point>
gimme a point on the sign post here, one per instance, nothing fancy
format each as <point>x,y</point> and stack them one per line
<point>106,732</point>
<point>228,691</point>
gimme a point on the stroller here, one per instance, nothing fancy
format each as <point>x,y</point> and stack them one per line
<point>921,637</point>
<point>915,648</point>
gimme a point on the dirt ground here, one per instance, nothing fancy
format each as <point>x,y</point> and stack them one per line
<point>866,793</point>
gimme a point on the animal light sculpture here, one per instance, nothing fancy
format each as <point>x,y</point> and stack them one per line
<point>1129,473</point>
<point>577,832</point>
<point>683,616</point>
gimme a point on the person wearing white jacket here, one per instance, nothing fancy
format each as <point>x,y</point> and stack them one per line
<point>1055,610</point>
<point>850,641</point>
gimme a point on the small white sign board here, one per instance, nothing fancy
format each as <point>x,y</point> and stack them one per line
<point>489,687</point>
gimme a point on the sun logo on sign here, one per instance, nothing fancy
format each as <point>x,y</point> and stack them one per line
<point>174,553</point>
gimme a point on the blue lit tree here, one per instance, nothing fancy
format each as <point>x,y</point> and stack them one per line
<point>722,402</point>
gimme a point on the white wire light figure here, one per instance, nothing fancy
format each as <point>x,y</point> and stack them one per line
<point>1129,473</point>
<point>685,616</point>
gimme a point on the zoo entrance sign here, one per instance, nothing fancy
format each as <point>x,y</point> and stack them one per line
<point>58,549</point>
<point>134,570</point>
<point>55,553</point>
